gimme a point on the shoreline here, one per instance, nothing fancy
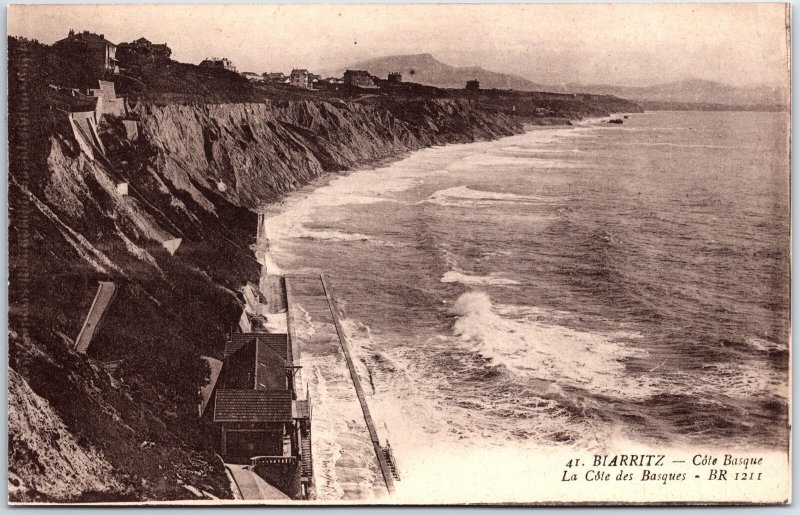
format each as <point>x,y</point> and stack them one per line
<point>272,208</point>
<point>412,488</point>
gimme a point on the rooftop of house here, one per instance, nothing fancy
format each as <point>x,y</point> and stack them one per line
<point>217,60</point>
<point>279,342</point>
<point>357,73</point>
<point>253,406</point>
<point>254,366</point>
<point>85,37</point>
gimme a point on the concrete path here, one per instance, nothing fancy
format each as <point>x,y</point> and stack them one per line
<point>252,487</point>
<point>102,299</point>
<point>346,464</point>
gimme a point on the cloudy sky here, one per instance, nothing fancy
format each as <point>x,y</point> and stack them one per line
<point>616,44</point>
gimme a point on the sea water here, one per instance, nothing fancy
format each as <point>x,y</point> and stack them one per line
<point>563,288</point>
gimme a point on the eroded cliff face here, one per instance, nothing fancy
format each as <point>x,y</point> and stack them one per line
<point>253,153</point>
<point>128,409</point>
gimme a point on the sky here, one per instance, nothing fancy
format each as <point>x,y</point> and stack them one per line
<point>622,44</point>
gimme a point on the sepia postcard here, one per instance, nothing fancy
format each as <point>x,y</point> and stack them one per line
<point>424,254</point>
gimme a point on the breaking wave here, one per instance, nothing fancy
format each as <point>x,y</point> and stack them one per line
<point>517,338</point>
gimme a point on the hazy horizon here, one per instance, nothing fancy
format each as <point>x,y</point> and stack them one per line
<point>623,44</point>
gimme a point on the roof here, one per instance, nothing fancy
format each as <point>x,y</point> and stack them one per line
<point>299,71</point>
<point>254,367</point>
<point>85,37</point>
<point>253,406</point>
<point>279,342</point>
<point>270,368</point>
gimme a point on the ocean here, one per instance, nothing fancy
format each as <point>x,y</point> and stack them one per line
<point>564,288</point>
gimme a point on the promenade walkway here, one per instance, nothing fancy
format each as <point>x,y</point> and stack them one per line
<point>315,328</point>
<point>252,487</point>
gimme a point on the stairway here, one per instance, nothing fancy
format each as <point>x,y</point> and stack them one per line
<point>106,291</point>
<point>306,469</point>
<point>389,457</point>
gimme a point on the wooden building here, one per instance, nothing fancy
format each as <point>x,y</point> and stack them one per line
<point>255,405</point>
<point>254,423</point>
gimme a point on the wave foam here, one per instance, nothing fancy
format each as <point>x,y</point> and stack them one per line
<point>465,194</point>
<point>765,345</point>
<point>526,345</point>
<point>303,232</point>
<point>493,280</point>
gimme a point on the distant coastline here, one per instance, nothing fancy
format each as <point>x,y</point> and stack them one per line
<point>702,106</point>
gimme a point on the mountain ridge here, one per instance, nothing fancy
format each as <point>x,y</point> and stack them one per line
<point>426,69</point>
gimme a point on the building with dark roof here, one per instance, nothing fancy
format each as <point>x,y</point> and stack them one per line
<point>279,342</point>
<point>255,409</point>
<point>359,78</point>
<point>255,365</point>
<point>254,423</point>
<point>473,85</point>
<point>142,51</point>
<point>220,63</point>
<point>91,50</point>
<point>274,76</point>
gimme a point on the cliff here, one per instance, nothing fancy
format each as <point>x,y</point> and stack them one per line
<point>161,202</point>
<point>251,153</point>
<point>127,410</point>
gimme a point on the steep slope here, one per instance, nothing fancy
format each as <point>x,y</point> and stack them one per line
<point>193,173</point>
<point>426,69</point>
<point>48,456</point>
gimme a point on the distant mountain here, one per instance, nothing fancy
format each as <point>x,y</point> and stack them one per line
<point>426,69</point>
<point>695,91</point>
